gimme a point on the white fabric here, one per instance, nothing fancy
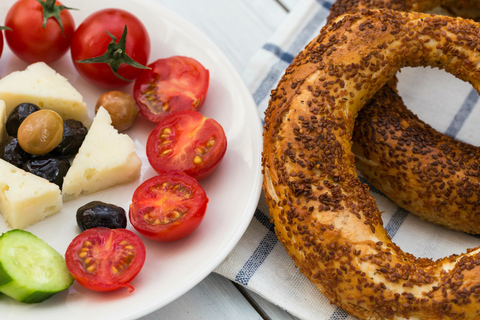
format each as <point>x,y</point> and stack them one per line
<point>259,262</point>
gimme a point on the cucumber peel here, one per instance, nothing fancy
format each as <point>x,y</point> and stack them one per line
<point>31,271</point>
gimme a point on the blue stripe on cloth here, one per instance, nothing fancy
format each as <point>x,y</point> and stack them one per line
<point>278,68</point>
<point>284,56</point>
<point>261,253</point>
<point>327,5</point>
<point>396,221</point>
<point>462,114</point>
<point>338,314</point>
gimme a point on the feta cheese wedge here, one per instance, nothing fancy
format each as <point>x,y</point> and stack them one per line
<point>41,85</point>
<point>26,198</point>
<point>3,120</point>
<point>105,159</point>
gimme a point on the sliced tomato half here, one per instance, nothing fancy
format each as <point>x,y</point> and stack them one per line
<point>168,207</point>
<point>172,84</point>
<point>188,142</point>
<point>103,259</point>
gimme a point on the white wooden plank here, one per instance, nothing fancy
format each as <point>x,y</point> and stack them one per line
<point>289,4</point>
<point>214,298</point>
<point>238,27</point>
<point>266,309</point>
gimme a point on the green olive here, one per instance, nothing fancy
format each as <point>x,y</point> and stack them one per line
<point>40,132</point>
<point>121,106</point>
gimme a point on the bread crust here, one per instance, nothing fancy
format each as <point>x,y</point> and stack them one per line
<point>323,215</point>
<point>416,180</point>
<point>423,171</point>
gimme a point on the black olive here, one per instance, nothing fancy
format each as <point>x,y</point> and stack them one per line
<point>74,133</point>
<point>11,151</point>
<point>16,117</point>
<point>100,214</point>
<point>49,168</point>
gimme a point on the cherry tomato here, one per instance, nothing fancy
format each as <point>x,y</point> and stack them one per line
<point>93,39</point>
<point>168,207</point>
<point>172,84</point>
<point>29,39</point>
<point>188,142</point>
<point>103,259</point>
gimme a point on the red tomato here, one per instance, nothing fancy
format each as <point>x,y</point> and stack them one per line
<point>91,40</point>
<point>103,259</point>
<point>172,84</point>
<point>188,142</point>
<point>168,207</point>
<point>29,40</point>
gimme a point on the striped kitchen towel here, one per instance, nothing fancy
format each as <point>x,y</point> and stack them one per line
<point>259,261</point>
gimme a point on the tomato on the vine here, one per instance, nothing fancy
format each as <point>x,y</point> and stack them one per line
<point>188,142</point>
<point>103,259</point>
<point>110,48</point>
<point>170,85</point>
<point>40,30</point>
<point>168,207</point>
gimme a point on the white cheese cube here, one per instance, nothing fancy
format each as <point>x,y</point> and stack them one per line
<point>41,85</point>
<point>26,198</point>
<point>105,159</point>
<point>3,120</point>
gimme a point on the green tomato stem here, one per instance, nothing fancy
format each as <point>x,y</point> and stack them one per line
<point>51,10</point>
<point>116,55</point>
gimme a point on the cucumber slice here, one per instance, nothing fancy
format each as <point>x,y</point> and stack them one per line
<point>31,271</point>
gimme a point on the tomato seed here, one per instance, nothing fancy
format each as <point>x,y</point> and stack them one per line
<point>210,143</point>
<point>165,142</point>
<point>166,152</point>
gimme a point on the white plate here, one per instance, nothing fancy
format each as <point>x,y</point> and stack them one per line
<point>171,269</point>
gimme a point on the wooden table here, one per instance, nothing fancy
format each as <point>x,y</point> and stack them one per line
<point>239,28</point>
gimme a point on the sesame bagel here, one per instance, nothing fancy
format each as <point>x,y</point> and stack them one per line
<point>341,7</point>
<point>421,170</point>
<point>323,215</point>
<point>409,173</point>
<point>463,8</point>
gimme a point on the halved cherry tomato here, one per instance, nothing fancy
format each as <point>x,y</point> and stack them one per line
<point>188,142</point>
<point>172,84</point>
<point>168,207</point>
<point>36,32</point>
<point>103,259</point>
